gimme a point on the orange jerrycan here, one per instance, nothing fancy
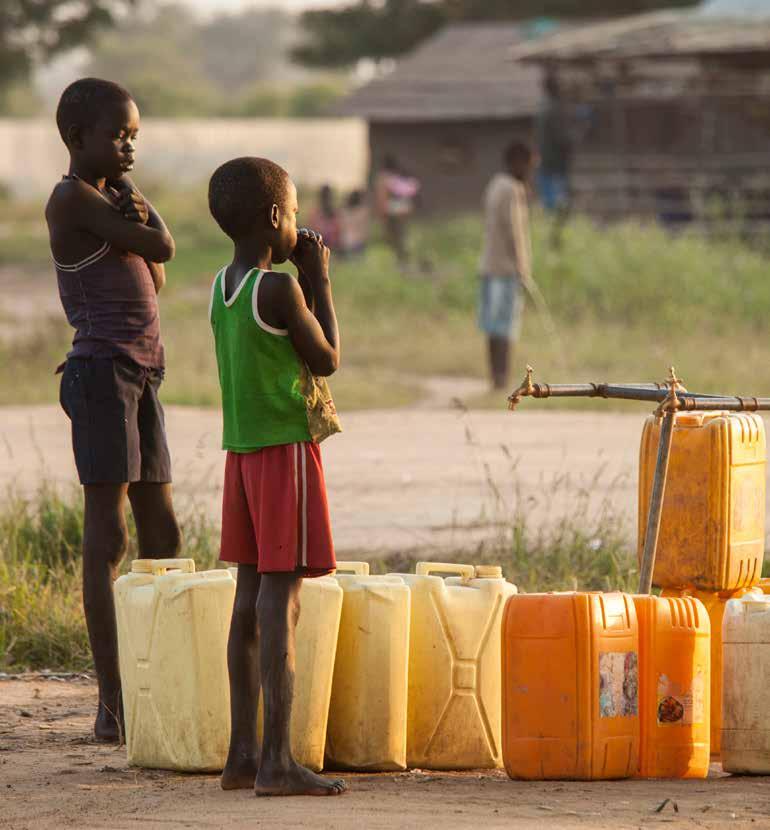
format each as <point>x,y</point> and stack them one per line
<point>173,626</point>
<point>714,604</point>
<point>570,686</point>
<point>712,532</point>
<point>367,714</point>
<point>746,725</point>
<point>674,659</point>
<point>453,717</point>
<point>320,601</point>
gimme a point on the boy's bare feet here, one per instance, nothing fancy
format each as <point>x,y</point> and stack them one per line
<point>276,779</point>
<point>240,772</point>
<point>108,728</point>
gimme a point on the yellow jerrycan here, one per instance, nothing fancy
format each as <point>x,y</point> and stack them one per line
<point>714,603</point>
<point>453,717</point>
<point>712,532</point>
<point>746,697</point>
<point>367,716</point>
<point>570,686</point>
<point>674,675</point>
<point>173,625</point>
<point>316,637</point>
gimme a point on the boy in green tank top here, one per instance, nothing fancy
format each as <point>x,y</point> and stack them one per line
<point>276,340</point>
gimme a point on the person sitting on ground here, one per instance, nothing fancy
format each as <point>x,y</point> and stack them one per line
<point>108,245</point>
<point>506,257</point>
<point>326,219</point>
<point>354,224</point>
<point>276,339</point>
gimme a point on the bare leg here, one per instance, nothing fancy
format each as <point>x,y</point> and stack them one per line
<point>277,614</point>
<point>499,350</point>
<point>492,357</point>
<point>243,667</point>
<point>105,538</point>
<point>157,530</point>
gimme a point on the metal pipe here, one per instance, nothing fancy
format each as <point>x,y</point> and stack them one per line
<point>656,503</point>
<point>691,403</point>
<point>620,391</point>
<point>651,392</point>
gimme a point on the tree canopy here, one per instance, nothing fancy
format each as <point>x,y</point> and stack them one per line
<point>232,65</point>
<point>375,29</point>
<point>32,31</point>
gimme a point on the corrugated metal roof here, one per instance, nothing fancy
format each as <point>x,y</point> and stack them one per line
<point>670,34</point>
<point>462,73</point>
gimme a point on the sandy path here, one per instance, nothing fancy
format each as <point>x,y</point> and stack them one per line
<point>397,479</point>
<point>51,775</point>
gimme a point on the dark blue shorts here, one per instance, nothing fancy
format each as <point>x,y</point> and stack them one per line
<point>118,426</point>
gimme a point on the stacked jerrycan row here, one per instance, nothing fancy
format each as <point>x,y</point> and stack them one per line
<point>712,535</point>
<point>599,686</point>
<point>417,679</point>
<point>173,626</point>
<point>391,670</point>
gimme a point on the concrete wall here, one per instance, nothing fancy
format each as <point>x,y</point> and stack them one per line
<point>454,160</point>
<point>185,152</point>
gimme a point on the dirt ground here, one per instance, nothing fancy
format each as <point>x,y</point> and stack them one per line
<point>412,479</point>
<point>53,775</point>
<point>398,479</point>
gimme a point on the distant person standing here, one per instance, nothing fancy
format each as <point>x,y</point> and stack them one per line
<point>354,224</point>
<point>506,258</point>
<point>554,148</point>
<point>326,218</point>
<point>395,194</point>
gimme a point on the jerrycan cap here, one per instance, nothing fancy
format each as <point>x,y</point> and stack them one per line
<point>158,567</point>
<point>698,419</point>
<point>489,572</point>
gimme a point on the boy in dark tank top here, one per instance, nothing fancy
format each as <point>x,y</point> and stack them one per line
<point>109,245</point>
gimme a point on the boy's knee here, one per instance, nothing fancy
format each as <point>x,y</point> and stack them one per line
<point>117,547</point>
<point>107,541</point>
<point>278,599</point>
<point>173,538</point>
<point>244,618</point>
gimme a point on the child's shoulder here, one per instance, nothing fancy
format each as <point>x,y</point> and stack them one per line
<point>67,194</point>
<point>278,286</point>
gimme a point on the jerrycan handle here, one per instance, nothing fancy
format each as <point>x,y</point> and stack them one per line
<point>357,568</point>
<point>158,567</point>
<point>467,572</point>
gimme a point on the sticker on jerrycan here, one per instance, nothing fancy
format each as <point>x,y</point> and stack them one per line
<point>618,684</point>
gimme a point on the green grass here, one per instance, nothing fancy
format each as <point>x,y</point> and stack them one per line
<point>628,300</point>
<point>41,538</point>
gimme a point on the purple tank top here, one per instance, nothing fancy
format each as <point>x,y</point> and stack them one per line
<point>110,300</point>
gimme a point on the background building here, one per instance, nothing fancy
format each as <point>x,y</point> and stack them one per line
<point>670,114</point>
<point>448,110</point>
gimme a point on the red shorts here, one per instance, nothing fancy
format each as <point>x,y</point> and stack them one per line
<point>274,511</point>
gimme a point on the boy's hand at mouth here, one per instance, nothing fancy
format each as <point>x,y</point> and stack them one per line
<point>311,256</point>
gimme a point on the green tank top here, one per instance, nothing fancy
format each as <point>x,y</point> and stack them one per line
<point>268,395</point>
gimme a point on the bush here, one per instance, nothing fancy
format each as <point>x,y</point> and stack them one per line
<point>41,614</point>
